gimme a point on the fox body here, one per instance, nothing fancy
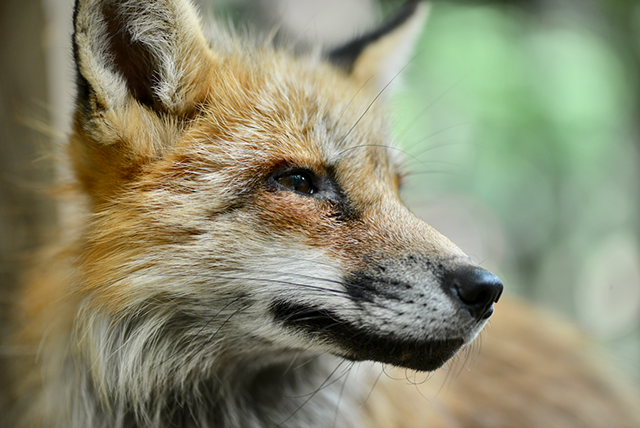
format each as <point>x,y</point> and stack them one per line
<point>240,243</point>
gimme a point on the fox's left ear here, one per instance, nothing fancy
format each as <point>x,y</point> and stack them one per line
<point>382,53</point>
<point>143,68</point>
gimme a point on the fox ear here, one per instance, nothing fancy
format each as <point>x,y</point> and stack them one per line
<point>148,51</point>
<point>142,66</point>
<point>382,53</point>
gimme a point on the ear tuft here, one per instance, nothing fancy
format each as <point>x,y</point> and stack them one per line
<point>383,52</point>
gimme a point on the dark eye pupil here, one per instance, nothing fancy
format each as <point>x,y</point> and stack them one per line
<point>298,182</point>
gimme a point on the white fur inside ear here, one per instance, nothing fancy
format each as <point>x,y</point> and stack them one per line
<point>93,58</point>
<point>170,33</point>
<point>388,56</point>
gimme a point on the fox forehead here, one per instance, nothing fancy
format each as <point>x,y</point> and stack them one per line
<point>286,112</point>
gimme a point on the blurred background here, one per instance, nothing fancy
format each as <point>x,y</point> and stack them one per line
<point>519,121</point>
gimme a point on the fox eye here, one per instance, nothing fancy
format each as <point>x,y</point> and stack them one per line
<point>298,181</point>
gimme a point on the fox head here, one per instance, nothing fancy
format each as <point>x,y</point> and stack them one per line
<point>244,204</point>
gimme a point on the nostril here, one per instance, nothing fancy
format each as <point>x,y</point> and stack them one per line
<point>477,290</point>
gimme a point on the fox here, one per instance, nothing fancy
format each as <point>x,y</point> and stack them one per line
<point>238,254</point>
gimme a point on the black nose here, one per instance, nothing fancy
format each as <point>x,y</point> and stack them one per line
<point>477,290</point>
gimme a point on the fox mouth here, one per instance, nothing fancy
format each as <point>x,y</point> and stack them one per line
<point>360,343</point>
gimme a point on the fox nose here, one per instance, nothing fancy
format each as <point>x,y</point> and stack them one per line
<point>477,290</point>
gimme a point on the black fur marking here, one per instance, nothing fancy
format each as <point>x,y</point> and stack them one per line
<point>362,287</point>
<point>346,55</point>
<point>359,343</point>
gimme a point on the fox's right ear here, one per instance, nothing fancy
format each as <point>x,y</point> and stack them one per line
<point>150,52</point>
<point>382,53</point>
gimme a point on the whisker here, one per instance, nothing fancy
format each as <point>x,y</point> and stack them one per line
<point>373,387</point>
<point>205,343</point>
<point>346,107</point>
<point>378,95</point>
<point>384,369</point>
<point>317,262</point>
<point>447,143</point>
<point>384,146</point>
<point>267,280</point>
<point>344,383</point>
<point>313,394</point>
<point>428,107</point>
<point>438,171</point>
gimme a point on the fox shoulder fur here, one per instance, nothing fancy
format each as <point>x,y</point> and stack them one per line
<point>241,257</point>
